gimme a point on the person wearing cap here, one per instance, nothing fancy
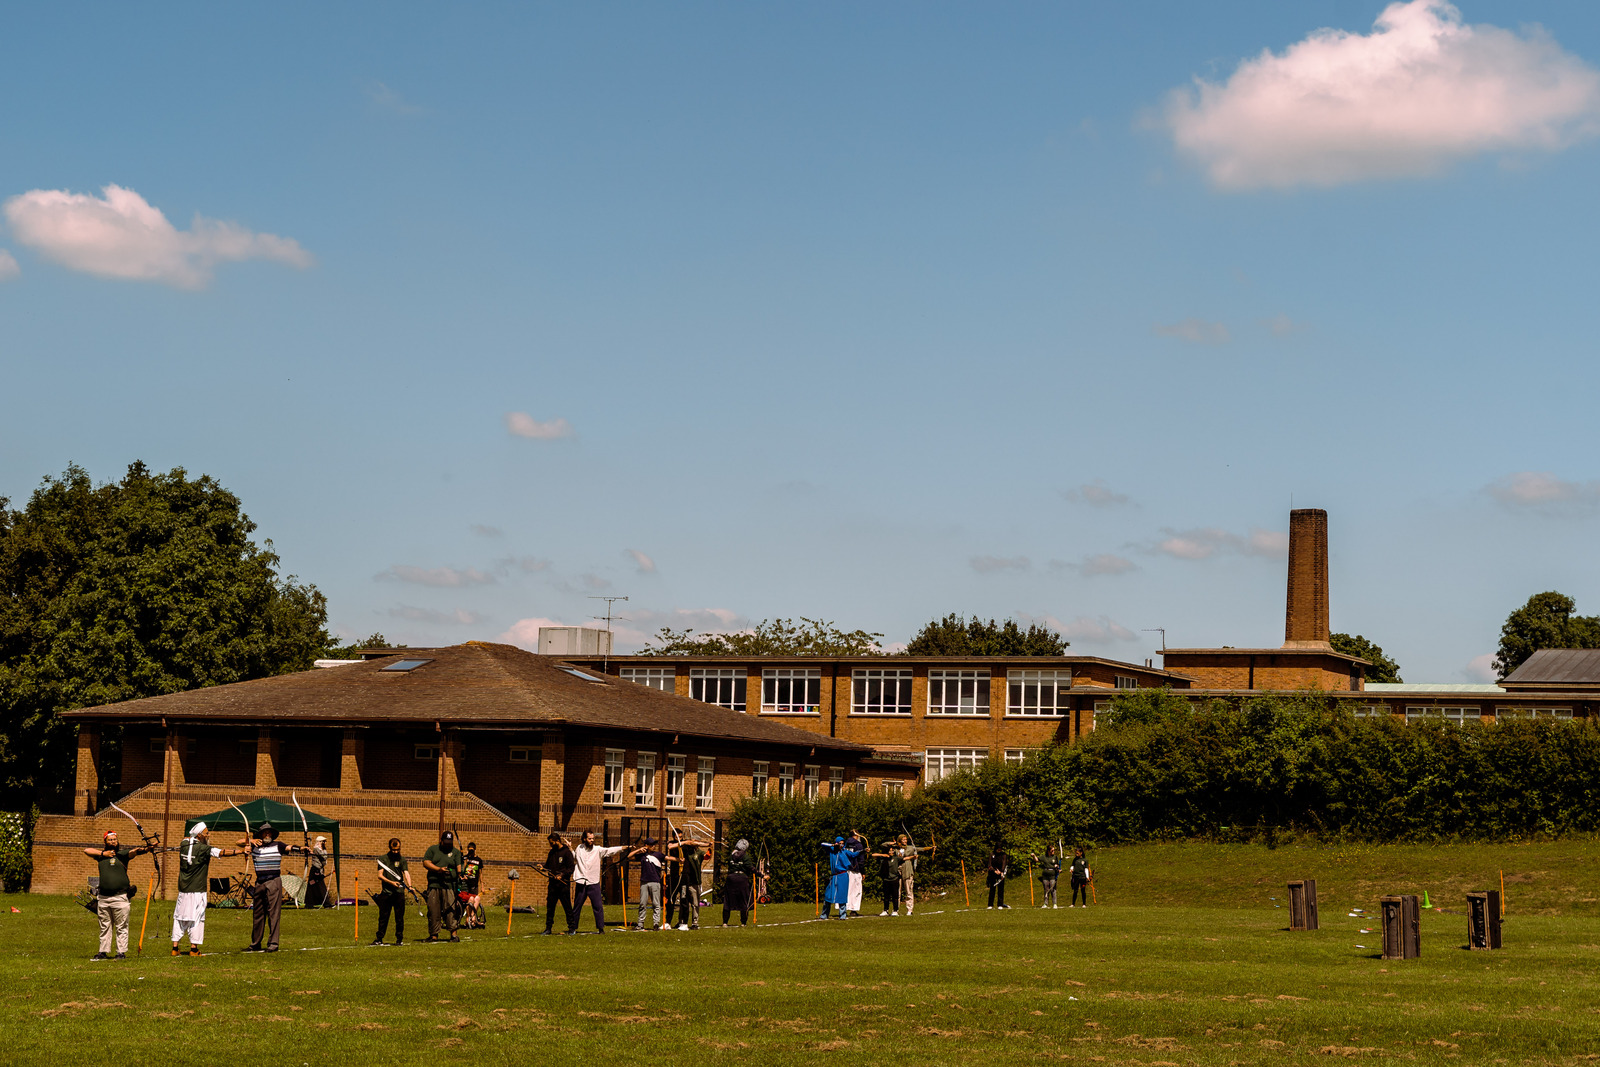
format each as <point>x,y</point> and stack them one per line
<point>652,864</point>
<point>471,876</point>
<point>195,853</point>
<point>838,891</point>
<point>267,853</point>
<point>443,864</point>
<point>736,887</point>
<point>317,875</point>
<point>114,893</point>
<point>587,860</point>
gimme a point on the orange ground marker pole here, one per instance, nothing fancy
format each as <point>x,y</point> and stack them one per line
<point>1030,881</point>
<point>964,891</point>
<point>146,920</point>
<point>1502,894</point>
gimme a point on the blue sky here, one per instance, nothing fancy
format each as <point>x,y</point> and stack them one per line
<point>862,312</point>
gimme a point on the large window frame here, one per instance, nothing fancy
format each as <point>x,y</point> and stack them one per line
<point>644,781</point>
<point>723,686</point>
<point>940,763</point>
<point>1126,681</point>
<point>676,766</point>
<point>1532,713</point>
<point>759,773</point>
<point>662,678</point>
<point>836,781</point>
<point>616,760</point>
<point>786,780</point>
<point>705,784</point>
<point>881,692</point>
<point>1455,716</point>
<point>1038,693</point>
<point>791,691</point>
<point>959,693</point>
<point>813,781</point>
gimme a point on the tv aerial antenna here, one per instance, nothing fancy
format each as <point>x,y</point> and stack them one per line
<point>608,617</point>
<point>1162,630</point>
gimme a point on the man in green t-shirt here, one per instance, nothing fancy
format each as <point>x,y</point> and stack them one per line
<point>394,881</point>
<point>115,893</point>
<point>443,863</point>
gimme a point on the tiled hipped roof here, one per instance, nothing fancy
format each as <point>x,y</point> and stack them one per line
<point>475,684</point>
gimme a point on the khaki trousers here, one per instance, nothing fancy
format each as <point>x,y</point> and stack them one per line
<point>113,912</point>
<point>908,893</point>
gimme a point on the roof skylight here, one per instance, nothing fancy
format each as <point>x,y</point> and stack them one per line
<point>576,673</point>
<point>405,665</point>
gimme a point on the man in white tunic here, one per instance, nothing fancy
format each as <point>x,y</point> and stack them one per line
<point>194,869</point>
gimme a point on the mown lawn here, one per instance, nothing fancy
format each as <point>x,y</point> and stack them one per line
<point>1186,961</point>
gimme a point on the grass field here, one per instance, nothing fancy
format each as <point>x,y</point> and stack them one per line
<point>1186,961</point>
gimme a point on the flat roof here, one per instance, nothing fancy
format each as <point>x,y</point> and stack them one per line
<point>1225,651</point>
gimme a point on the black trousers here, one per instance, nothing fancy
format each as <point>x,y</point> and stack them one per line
<point>736,897</point>
<point>317,890</point>
<point>395,903</point>
<point>997,892</point>
<point>891,895</point>
<point>558,892</point>
<point>1080,887</point>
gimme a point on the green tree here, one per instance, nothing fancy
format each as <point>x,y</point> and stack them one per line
<point>1545,621</point>
<point>1383,668</point>
<point>130,589</point>
<point>353,649</point>
<point>954,635</point>
<point>775,637</point>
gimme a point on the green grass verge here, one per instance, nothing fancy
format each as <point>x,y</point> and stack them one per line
<point>1186,961</point>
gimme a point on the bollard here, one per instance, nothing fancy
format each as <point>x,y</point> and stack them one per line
<point>1483,920</point>
<point>1402,927</point>
<point>1303,905</point>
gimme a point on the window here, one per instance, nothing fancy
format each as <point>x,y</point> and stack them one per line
<point>813,776</point>
<point>836,781</point>
<point>1017,755</point>
<point>158,745</point>
<point>425,752</point>
<point>1533,713</point>
<point>585,675</point>
<point>675,767</point>
<point>1037,692</point>
<point>1100,708</point>
<point>1127,681</point>
<point>791,691</point>
<point>722,686</point>
<point>1455,716</point>
<point>958,692</point>
<point>405,665</point>
<point>861,787</point>
<point>613,780</point>
<point>893,787</point>
<point>705,776</point>
<point>644,781</point>
<point>662,678</point>
<point>876,692</point>
<point>941,762</point>
<point>248,748</point>
<point>786,779</point>
<point>1369,711</point>
<point>758,778</point>
<point>523,754</point>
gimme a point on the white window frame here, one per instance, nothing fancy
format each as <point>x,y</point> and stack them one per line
<point>1098,708</point>
<point>428,751</point>
<point>158,745</point>
<point>1017,755</point>
<point>705,784</point>
<point>1037,693</point>
<point>662,678</point>
<point>940,763</point>
<point>776,680</point>
<point>836,781</point>
<point>760,771</point>
<point>861,787</point>
<point>1126,681</point>
<point>870,690</point>
<point>728,685</point>
<point>1533,713</point>
<point>1370,711</point>
<point>523,754</point>
<point>893,787</point>
<point>813,781</point>
<point>786,779</point>
<point>676,767</point>
<point>975,707</point>
<point>611,795</point>
<point>644,781</point>
<point>1455,716</point>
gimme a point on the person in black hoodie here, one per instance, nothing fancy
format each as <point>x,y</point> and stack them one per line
<point>998,862</point>
<point>558,870</point>
<point>736,887</point>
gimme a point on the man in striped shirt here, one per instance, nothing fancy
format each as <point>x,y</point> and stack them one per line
<point>267,855</point>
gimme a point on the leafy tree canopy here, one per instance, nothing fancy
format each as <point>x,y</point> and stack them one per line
<point>130,589</point>
<point>954,635</point>
<point>353,649</point>
<point>775,637</point>
<point>1545,621</point>
<point>1383,668</point>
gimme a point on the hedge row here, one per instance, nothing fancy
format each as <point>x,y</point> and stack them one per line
<point>1158,768</point>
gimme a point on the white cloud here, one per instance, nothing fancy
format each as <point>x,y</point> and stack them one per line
<point>1105,563</point>
<point>1480,668</point>
<point>486,531</point>
<point>645,564</point>
<point>524,633</point>
<point>1283,326</point>
<point>1203,543</point>
<point>594,581</point>
<point>1196,331</point>
<point>1096,494</point>
<point>439,577</point>
<point>642,624</point>
<point>1084,630</point>
<point>414,614</point>
<point>8,266</point>
<point>119,235</point>
<point>526,564</point>
<point>993,564</point>
<point>1543,492</point>
<point>1418,93</point>
<point>521,424</point>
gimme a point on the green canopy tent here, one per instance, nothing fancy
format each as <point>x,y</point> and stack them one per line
<point>283,818</point>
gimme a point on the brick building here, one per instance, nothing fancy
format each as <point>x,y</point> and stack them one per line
<point>499,743</point>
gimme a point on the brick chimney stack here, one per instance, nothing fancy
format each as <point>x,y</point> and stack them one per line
<point>1306,616</point>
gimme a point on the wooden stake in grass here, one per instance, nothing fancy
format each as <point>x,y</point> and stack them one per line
<point>1030,881</point>
<point>964,891</point>
<point>146,919</point>
<point>816,891</point>
<point>357,908</point>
